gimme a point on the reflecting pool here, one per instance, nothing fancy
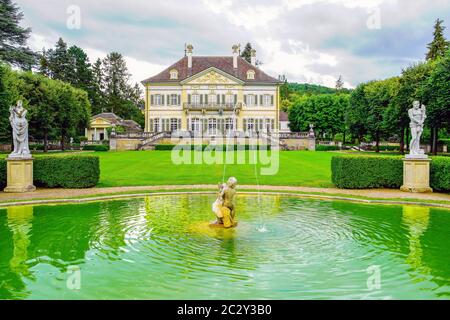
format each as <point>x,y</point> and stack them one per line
<point>161,247</point>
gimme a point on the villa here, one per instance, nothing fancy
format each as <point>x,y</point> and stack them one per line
<point>212,95</point>
<point>101,124</point>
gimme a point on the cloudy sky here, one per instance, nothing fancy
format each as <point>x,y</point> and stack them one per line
<point>310,41</point>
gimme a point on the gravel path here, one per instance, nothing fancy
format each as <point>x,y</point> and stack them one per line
<point>70,193</point>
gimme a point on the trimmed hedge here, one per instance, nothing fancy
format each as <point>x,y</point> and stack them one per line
<point>327,148</point>
<point>366,172</point>
<point>2,174</point>
<point>67,171</point>
<point>96,147</point>
<point>61,172</point>
<point>203,147</point>
<point>440,174</point>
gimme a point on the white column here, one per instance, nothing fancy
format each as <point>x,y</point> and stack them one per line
<point>95,134</point>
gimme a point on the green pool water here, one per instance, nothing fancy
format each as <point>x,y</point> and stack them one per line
<point>161,247</point>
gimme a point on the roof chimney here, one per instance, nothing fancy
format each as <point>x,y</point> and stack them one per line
<point>189,55</point>
<point>235,55</point>
<point>253,57</point>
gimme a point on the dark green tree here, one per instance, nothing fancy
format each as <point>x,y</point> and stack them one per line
<point>13,37</point>
<point>247,52</point>
<point>438,47</point>
<point>59,62</point>
<point>438,103</point>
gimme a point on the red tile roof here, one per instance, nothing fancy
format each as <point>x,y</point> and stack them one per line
<point>200,64</point>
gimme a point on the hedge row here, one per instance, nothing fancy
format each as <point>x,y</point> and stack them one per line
<point>327,148</point>
<point>366,172</point>
<point>61,172</point>
<point>202,147</point>
<point>440,174</point>
<point>96,147</point>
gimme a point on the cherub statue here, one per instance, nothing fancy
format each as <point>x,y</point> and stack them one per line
<point>417,114</point>
<point>19,126</point>
<point>224,206</point>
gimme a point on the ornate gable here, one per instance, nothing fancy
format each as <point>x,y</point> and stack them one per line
<point>212,76</point>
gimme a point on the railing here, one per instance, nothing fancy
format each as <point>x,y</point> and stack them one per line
<point>293,135</point>
<point>211,106</point>
<point>133,135</point>
<point>94,142</point>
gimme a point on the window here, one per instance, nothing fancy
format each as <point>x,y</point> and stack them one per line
<point>173,100</point>
<point>156,125</point>
<point>268,125</point>
<point>229,125</point>
<point>195,99</point>
<point>250,74</point>
<point>195,125</point>
<point>173,74</point>
<point>158,100</point>
<point>267,100</point>
<point>229,99</point>
<point>212,126</point>
<point>250,124</point>
<point>212,99</point>
<point>251,100</point>
<point>174,124</point>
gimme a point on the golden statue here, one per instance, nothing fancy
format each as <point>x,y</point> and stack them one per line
<point>224,207</point>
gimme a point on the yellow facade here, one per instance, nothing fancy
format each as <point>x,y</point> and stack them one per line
<point>211,100</point>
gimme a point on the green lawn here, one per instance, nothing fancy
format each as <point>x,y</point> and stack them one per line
<point>133,168</point>
<point>138,168</point>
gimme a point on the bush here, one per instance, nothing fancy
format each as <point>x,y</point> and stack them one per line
<point>96,147</point>
<point>2,174</point>
<point>440,174</point>
<point>61,172</point>
<point>365,172</point>
<point>327,148</point>
<point>203,147</point>
<point>36,146</point>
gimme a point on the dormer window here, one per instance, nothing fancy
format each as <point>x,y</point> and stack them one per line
<point>173,74</point>
<point>251,75</point>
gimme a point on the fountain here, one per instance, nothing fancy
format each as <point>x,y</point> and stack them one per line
<point>224,207</point>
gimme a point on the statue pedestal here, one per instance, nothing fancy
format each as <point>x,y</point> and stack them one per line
<point>416,174</point>
<point>19,175</point>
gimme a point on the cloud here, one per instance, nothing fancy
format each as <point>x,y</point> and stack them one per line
<point>307,40</point>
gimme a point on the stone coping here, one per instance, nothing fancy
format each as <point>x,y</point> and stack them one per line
<point>379,196</point>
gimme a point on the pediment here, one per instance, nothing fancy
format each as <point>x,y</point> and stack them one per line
<point>100,121</point>
<point>212,76</point>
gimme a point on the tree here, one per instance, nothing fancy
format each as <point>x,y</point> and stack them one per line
<point>247,52</point>
<point>356,112</point>
<point>13,37</point>
<point>6,100</point>
<point>121,98</point>
<point>411,84</point>
<point>97,99</point>
<point>339,83</point>
<point>379,95</point>
<point>439,45</point>
<point>438,103</point>
<point>59,62</point>
<point>325,111</point>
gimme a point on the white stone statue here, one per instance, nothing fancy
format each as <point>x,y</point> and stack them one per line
<point>417,116</point>
<point>19,126</point>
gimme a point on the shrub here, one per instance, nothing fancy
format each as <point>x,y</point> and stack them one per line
<point>327,148</point>
<point>2,174</point>
<point>66,171</point>
<point>365,172</point>
<point>202,147</point>
<point>440,174</point>
<point>61,172</point>
<point>36,146</point>
<point>96,147</point>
